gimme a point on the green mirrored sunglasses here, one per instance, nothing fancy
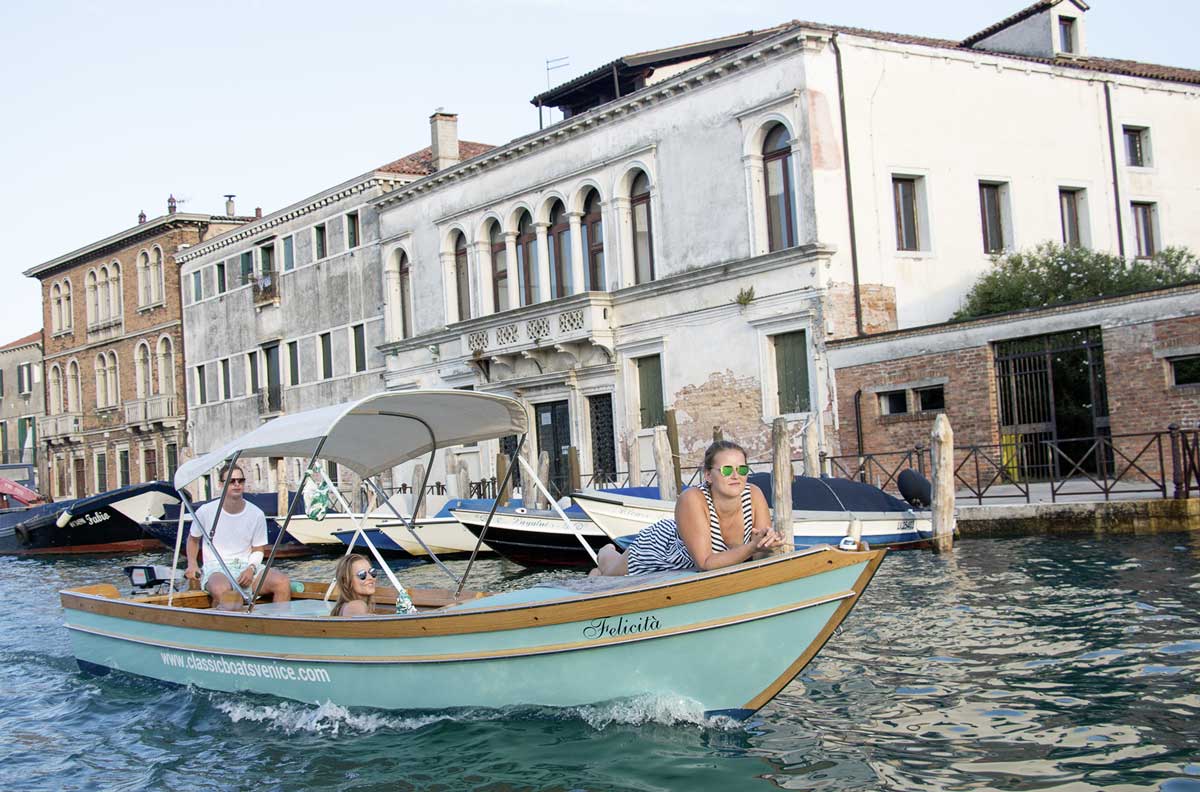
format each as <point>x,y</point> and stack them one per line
<point>727,470</point>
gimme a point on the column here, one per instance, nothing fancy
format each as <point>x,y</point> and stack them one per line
<point>391,290</point>
<point>483,269</point>
<point>510,252</point>
<point>757,200</point>
<point>544,291</point>
<point>578,262</point>
<point>623,229</point>
<point>450,286</point>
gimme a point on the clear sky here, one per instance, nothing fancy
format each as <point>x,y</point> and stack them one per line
<point>110,107</point>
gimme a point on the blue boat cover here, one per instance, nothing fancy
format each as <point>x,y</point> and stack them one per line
<point>832,494</point>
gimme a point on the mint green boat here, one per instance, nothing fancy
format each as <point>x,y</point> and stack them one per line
<point>728,640</point>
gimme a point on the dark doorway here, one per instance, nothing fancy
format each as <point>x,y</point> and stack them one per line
<point>274,402</point>
<point>554,437</point>
<point>1053,405</point>
<point>150,464</point>
<point>80,479</point>
<point>604,452</point>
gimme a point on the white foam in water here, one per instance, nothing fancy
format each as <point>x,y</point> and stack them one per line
<point>329,718</point>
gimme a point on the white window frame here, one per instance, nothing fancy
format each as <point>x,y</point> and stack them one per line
<point>766,330</point>
<point>924,205</point>
<point>1004,194</point>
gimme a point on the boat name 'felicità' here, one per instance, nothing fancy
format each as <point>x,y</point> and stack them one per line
<point>607,628</point>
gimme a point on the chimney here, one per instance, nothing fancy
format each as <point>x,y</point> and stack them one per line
<point>229,205</point>
<point>443,131</point>
<point>258,212</point>
<point>141,217</point>
<point>171,204</point>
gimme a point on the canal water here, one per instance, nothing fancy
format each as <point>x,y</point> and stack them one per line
<point>1012,664</point>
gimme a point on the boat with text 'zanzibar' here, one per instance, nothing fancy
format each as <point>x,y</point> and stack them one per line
<point>727,640</point>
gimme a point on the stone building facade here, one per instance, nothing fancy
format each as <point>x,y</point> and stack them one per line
<point>22,406</point>
<point>285,313</point>
<point>708,218</point>
<point>114,351</point>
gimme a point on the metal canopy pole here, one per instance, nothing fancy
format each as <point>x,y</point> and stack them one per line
<point>207,535</point>
<point>508,476</point>
<point>286,521</point>
<point>412,527</point>
<point>554,505</point>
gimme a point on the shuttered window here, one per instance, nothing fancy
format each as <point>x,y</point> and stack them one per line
<point>650,391</point>
<point>791,371</point>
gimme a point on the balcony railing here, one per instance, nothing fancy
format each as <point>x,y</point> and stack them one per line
<point>266,288</point>
<point>270,400</point>
<point>155,409</point>
<point>568,325</point>
<point>61,426</point>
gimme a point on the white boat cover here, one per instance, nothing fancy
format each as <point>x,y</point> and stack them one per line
<point>375,433</point>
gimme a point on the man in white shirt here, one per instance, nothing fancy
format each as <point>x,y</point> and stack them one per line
<point>241,539</point>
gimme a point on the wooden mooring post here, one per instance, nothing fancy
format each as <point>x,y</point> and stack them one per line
<point>574,477</point>
<point>812,450</point>
<point>942,454</point>
<point>505,490</point>
<point>417,479</point>
<point>781,484</point>
<point>543,469</point>
<point>633,458</point>
<point>673,440</point>
<point>662,465</point>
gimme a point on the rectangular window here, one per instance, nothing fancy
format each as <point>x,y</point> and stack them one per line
<point>992,217</point>
<point>360,347</point>
<point>650,391</point>
<point>123,467</point>
<point>197,287</point>
<point>1185,370</point>
<point>149,465</point>
<point>24,378</point>
<point>1,384</point>
<point>1068,211</point>
<point>289,253</point>
<point>252,370</point>
<point>352,230</point>
<point>1143,224</point>
<point>225,393</point>
<point>326,356</point>
<point>201,386</point>
<point>266,259</point>
<point>932,398</point>
<point>319,241</point>
<point>893,402</point>
<point>172,461</point>
<point>293,362</point>
<point>1137,147</point>
<point>247,267</point>
<point>1066,34</point>
<point>791,371</point>
<point>904,197</point>
<point>101,473</point>
<point>220,277</point>
<point>4,441</point>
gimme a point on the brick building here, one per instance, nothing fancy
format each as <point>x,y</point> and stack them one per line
<point>1119,367</point>
<point>113,357</point>
<point>21,405</point>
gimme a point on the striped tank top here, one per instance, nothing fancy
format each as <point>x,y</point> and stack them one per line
<point>659,547</point>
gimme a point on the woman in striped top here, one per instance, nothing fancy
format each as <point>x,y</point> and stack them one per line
<point>722,522</point>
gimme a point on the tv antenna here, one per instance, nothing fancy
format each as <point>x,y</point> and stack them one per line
<point>551,65</point>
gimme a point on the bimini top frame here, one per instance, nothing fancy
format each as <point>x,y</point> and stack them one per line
<point>367,436</point>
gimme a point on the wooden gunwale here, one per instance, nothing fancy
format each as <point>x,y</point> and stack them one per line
<point>705,586</point>
<point>860,585</point>
<point>501,654</point>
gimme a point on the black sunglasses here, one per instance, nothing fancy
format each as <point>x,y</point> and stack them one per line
<point>362,574</point>
<point>237,481</point>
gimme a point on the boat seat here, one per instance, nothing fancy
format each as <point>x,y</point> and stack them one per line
<point>295,607</point>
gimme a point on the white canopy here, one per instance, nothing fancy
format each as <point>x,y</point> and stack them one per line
<point>376,433</point>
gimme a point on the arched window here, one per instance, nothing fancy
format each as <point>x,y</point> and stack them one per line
<point>74,397</point>
<point>462,277</point>
<point>559,246</point>
<point>143,278</point>
<point>67,321</point>
<point>499,268</point>
<point>101,382</point>
<point>592,227</point>
<point>777,172</point>
<point>156,276</point>
<point>91,286</point>
<point>405,296</point>
<point>526,260</point>
<point>643,239</point>
<point>143,375</point>
<point>114,386</point>
<point>102,300</point>
<point>114,290</point>
<point>166,366</point>
<point>55,308</point>
<point>56,400</point>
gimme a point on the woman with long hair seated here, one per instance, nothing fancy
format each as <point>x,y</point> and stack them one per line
<point>722,522</point>
<point>356,586</point>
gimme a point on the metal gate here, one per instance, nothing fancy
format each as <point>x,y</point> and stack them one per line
<point>1053,404</point>
<point>604,452</point>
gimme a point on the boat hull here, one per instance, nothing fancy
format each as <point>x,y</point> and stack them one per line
<point>536,539</point>
<point>624,517</point>
<point>682,637</point>
<point>108,523</point>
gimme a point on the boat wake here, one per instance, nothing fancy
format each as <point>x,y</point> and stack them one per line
<point>332,719</point>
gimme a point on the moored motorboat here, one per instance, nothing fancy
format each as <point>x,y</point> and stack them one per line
<point>537,537</point>
<point>441,533</point>
<point>111,522</point>
<point>164,529</point>
<point>572,642</point>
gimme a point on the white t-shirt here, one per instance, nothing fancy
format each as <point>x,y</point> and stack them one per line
<point>237,534</point>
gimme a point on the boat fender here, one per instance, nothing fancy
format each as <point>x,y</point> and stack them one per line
<point>521,510</point>
<point>22,533</point>
<point>915,488</point>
